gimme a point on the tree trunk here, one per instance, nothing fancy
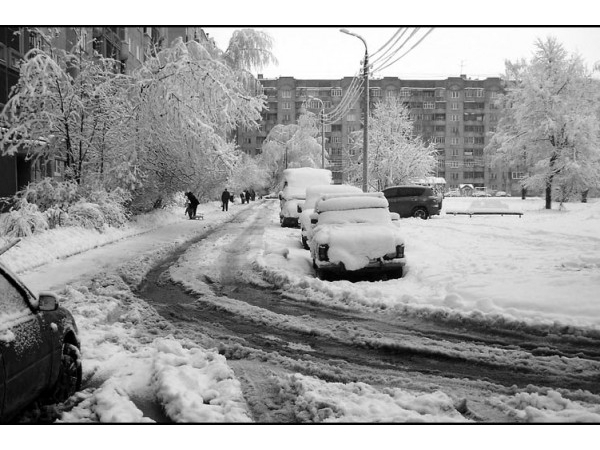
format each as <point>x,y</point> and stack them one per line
<point>549,182</point>
<point>584,195</point>
<point>549,195</point>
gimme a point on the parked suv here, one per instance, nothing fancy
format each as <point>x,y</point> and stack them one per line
<point>413,201</point>
<point>39,348</point>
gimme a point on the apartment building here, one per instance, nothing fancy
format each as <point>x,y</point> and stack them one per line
<point>128,46</point>
<point>456,114</point>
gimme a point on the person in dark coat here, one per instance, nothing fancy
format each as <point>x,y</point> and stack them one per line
<point>193,204</point>
<point>242,197</point>
<point>247,194</point>
<point>225,197</point>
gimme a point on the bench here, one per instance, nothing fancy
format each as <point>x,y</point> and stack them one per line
<point>472,213</point>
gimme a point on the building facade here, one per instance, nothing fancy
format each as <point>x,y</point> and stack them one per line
<point>456,114</point>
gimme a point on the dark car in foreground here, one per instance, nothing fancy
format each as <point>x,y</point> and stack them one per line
<point>413,201</point>
<point>39,348</point>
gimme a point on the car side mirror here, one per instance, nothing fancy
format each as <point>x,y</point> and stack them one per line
<point>47,301</point>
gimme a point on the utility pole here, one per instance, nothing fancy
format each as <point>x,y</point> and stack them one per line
<point>366,123</point>
<point>365,111</point>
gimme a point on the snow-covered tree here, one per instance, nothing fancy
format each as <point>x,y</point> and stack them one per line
<point>187,104</point>
<point>396,155</point>
<point>63,105</point>
<point>550,122</point>
<point>291,145</point>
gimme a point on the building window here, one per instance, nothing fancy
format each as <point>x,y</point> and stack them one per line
<point>439,140</point>
<point>439,93</point>
<point>455,94</point>
<point>455,152</point>
<point>518,175</point>
<point>454,105</point>
<point>286,117</point>
<point>327,128</point>
<point>336,139</point>
<point>493,94</point>
<point>440,128</point>
<point>327,104</point>
<point>454,164</point>
<point>479,92</point>
<point>286,105</point>
<point>375,92</point>
<point>391,93</point>
<point>454,118</point>
<point>469,140</point>
<point>286,93</point>
<point>351,117</point>
<point>404,92</point>
<point>336,92</point>
<point>428,105</point>
<point>454,130</point>
<point>454,141</point>
<point>469,163</point>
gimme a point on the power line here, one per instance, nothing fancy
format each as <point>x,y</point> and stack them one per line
<point>393,36</point>
<point>405,53</point>
<point>374,61</point>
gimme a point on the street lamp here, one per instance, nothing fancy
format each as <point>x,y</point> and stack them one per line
<point>322,131</point>
<point>366,108</point>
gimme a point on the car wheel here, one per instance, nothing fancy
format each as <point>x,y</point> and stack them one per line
<point>305,243</point>
<point>69,376</point>
<point>420,213</point>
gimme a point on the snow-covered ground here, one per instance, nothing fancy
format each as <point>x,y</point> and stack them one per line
<point>541,269</point>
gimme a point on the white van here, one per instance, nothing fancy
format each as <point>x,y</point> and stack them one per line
<point>295,182</point>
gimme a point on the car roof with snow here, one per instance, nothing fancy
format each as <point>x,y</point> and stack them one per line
<point>314,193</point>
<point>333,202</point>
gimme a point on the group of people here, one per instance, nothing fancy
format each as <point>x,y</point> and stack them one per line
<point>226,197</point>
<point>245,196</point>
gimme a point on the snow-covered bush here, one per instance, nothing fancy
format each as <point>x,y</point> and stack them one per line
<point>86,215</point>
<point>112,205</point>
<point>23,221</point>
<point>49,193</point>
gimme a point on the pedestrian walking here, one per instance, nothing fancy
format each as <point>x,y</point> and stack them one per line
<point>247,194</point>
<point>242,197</point>
<point>225,197</point>
<point>193,205</point>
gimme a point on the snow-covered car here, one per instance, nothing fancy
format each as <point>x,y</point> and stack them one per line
<point>478,193</point>
<point>39,348</point>
<point>355,234</point>
<point>452,193</point>
<point>307,217</point>
<point>295,182</point>
<point>501,194</point>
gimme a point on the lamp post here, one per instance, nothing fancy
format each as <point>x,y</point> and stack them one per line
<point>322,131</point>
<point>366,109</point>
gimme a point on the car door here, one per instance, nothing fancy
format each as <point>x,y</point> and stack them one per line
<point>26,340</point>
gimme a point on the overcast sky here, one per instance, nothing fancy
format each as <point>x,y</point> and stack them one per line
<point>478,52</point>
